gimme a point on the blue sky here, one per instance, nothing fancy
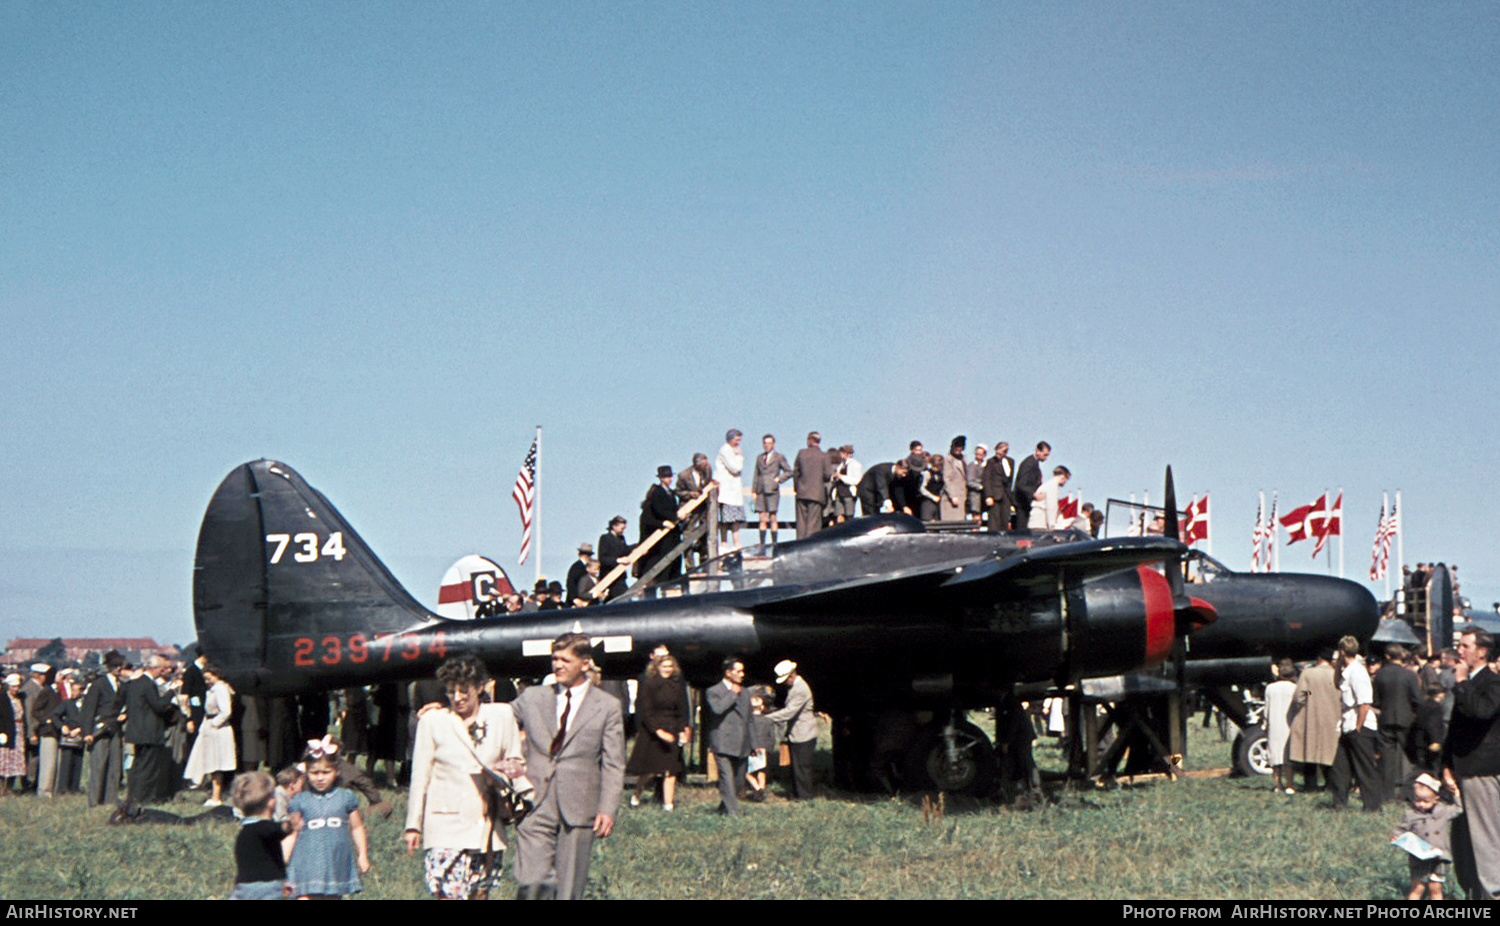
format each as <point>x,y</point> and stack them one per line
<point>382,242</point>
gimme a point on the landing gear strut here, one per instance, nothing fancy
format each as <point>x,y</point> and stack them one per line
<point>950,755</point>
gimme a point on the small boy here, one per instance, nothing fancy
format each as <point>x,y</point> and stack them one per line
<point>1428,819</point>
<point>289,783</point>
<point>1428,730</point>
<point>262,847</point>
<point>762,741</point>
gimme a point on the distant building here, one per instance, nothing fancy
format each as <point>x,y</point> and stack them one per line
<point>22,650</point>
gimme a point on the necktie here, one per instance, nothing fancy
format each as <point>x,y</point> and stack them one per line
<point>562,725</point>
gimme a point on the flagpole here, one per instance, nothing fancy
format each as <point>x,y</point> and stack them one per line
<point>1341,531</point>
<point>1276,528</point>
<point>1259,535</point>
<point>1400,537</point>
<point>1327,550</point>
<point>536,512</point>
<point>1209,512</point>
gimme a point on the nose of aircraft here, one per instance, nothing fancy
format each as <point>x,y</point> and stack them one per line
<point>1321,609</point>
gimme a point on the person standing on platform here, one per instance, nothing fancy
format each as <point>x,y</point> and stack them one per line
<point>955,492</point>
<point>999,496</point>
<point>810,483</point>
<point>727,468</point>
<point>1028,480</point>
<point>613,550</point>
<point>771,470</point>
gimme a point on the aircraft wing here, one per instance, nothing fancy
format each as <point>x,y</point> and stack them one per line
<point>1008,577</point>
<point>1078,560</point>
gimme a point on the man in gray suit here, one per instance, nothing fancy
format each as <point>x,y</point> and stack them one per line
<point>575,756</point>
<point>810,482</point>
<point>771,470</point>
<point>728,726</point>
<point>801,721</point>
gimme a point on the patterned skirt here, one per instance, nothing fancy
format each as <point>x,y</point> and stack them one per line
<point>729,514</point>
<point>459,874</point>
<point>12,762</point>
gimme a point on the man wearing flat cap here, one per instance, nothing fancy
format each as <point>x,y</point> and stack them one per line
<point>801,726</point>
<point>580,568</point>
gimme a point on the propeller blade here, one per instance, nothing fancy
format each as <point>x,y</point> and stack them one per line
<point>1173,530</point>
<point>1192,613</point>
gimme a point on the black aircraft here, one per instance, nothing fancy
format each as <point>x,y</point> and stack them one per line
<point>893,624</point>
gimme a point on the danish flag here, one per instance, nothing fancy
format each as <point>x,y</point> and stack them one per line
<point>1195,521</point>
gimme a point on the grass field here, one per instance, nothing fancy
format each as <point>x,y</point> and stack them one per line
<point>1196,838</point>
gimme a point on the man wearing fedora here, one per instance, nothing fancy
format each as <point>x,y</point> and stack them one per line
<point>801,726</point>
<point>659,510</point>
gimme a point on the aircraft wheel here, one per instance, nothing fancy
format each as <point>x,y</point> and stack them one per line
<point>1252,752</point>
<point>969,768</point>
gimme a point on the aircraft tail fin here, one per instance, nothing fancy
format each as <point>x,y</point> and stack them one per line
<point>277,565</point>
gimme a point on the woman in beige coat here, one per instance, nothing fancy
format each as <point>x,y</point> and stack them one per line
<point>1314,718</point>
<point>446,812</point>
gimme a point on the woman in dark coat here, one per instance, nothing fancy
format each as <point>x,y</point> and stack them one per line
<point>662,723</point>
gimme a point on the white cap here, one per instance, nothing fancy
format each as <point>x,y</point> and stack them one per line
<point>784,670</point>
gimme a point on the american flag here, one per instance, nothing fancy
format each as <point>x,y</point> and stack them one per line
<point>1258,535</point>
<point>524,492</point>
<point>1380,555</point>
<point>1269,560</point>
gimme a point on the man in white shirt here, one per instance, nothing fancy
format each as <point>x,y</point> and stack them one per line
<point>1357,733</point>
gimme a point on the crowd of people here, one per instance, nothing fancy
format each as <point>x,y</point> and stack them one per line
<point>1400,726</point>
<point>137,736</point>
<point>161,720</point>
<point>990,491</point>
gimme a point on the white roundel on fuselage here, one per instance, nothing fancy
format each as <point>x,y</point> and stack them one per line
<point>470,584</point>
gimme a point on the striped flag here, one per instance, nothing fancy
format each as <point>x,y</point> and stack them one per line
<point>1270,535</point>
<point>1380,554</point>
<point>1258,536</point>
<point>524,492</point>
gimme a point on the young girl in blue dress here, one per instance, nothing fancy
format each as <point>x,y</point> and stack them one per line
<point>332,850</point>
